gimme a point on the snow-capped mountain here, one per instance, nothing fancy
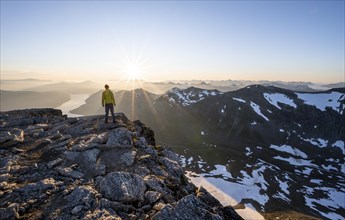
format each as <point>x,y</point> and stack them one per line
<point>268,148</point>
<point>189,96</point>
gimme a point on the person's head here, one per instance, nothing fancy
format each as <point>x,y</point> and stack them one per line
<point>106,86</point>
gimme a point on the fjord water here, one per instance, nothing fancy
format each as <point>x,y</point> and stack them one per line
<point>76,100</point>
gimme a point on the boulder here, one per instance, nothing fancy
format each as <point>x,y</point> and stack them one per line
<point>172,167</point>
<point>69,172</point>
<point>189,207</point>
<point>168,153</point>
<point>156,184</point>
<point>12,138</point>
<point>117,159</point>
<point>123,187</point>
<point>120,138</point>
<point>82,196</point>
<point>152,196</point>
<point>11,212</point>
<point>87,161</point>
<point>35,190</point>
<point>101,214</point>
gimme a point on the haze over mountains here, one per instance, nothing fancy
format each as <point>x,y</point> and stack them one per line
<point>35,90</point>
<point>268,147</point>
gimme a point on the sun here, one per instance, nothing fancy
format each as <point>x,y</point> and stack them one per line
<point>134,72</point>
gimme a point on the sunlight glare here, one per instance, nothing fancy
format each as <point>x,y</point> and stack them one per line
<point>134,72</point>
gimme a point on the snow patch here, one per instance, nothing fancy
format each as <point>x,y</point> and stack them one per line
<point>276,98</point>
<point>249,212</point>
<point>221,171</point>
<point>282,196</point>
<point>192,96</point>
<point>223,109</point>
<point>323,100</point>
<point>317,181</point>
<point>228,193</point>
<point>307,170</point>
<point>290,150</point>
<point>248,152</point>
<point>329,168</point>
<point>239,100</point>
<point>317,142</point>
<point>294,161</point>
<point>256,108</point>
<point>283,186</point>
<point>334,199</point>
<point>339,144</point>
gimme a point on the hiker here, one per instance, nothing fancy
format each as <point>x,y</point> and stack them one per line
<point>109,101</point>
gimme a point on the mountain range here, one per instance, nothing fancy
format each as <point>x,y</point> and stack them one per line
<point>271,148</point>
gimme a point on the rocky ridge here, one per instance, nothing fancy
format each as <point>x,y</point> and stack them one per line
<point>55,167</point>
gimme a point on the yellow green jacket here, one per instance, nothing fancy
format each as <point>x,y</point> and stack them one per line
<point>108,97</point>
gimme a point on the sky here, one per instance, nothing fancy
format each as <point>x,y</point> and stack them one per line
<point>173,40</point>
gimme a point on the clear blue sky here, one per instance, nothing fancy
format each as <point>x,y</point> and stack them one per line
<point>270,40</point>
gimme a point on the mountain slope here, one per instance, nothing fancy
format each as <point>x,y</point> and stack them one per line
<point>270,148</point>
<point>283,150</point>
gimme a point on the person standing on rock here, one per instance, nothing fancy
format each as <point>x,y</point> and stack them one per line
<point>109,101</point>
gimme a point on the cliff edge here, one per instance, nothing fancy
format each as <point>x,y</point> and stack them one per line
<point>55,167</point>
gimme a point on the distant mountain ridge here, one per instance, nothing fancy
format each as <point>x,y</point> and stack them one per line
<point>89,87</point>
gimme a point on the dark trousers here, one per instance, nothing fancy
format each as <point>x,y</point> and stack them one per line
<point>109,107</point>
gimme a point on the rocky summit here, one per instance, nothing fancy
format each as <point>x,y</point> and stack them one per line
<point>55,167</point>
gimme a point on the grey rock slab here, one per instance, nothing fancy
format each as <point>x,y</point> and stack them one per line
<point>54,163</point>
<point>152,196</point>
<point>4,177</point>
<point>11,212</point>
<point>128,158</point>
<point>87,161</point>
<point>82,195</point>
<point>167,152</point>
<point>123,187</point>
<point>117,206</point>
<point>189,207</point>
<point>172,167</point>
<point>35,190</point>
<point>69,172</point>
<point>101,214</point>
<point>77,209</point>
<point>156,184</point>
<point>5,164</point>
<point>142,171</point>
<point>12,138</point>
<point>117,158</point>
<point>5,136</point>
<point>120,138</point>
<point>20,122</point>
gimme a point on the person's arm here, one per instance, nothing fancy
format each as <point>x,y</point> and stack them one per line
<point>112,96</point>
<point>103,99</point>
